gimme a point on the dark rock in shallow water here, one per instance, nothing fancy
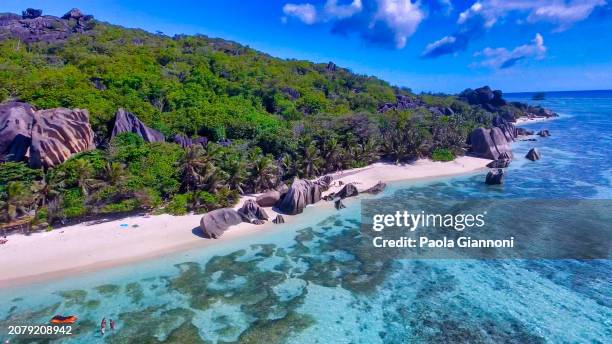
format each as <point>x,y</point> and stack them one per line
<point>252,212</point>
<point>268,199</point>
<point>214,223</point>
<point>349,190</point>
<point>376,189</point>
<point>58,134</point>
<point>495,177</point>
<point>544,133</point>
<point>300,194</point>
<point>489,143</point>
<point>126,122</point>
<point>338,204</point>
<point>279,219</point>
<point>533,154</point>
<point>499,163</point>
<point>523,132</point>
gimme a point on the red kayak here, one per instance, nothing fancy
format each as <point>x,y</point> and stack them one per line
<point>58,319</point>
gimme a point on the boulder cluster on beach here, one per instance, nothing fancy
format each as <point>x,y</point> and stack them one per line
<point>494,143</point>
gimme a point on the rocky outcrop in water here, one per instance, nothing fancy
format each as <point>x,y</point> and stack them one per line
<point>489,143</point>
<point>126,122</point>
<point>46,137</point>
<point>279,219</point>
<point>544,133</point>
<point>376,189</point>
<point>533,154</point>
<point>349,190</point>
<point>300,194</point>
<point>58,134</point>
<point>32,26</point>
<point>268,199</point>
<point>502,162</point>
<point>214,223</point>
<point>338,204</point>
<point>523,132</point>
<point>495,177</point>
<point>251,212</point>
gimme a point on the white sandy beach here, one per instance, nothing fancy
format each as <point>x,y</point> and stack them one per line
<point>92,246</point>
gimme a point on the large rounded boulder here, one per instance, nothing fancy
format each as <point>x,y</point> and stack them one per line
<point>489,143</point>
<point>349,190</point>
<point>16,120</point>
<point>214,223</point>
<point>251,212</point>
<point>268,199</point>
<point>47,137</point>
<point>300,194</point>
<point>58,134</point>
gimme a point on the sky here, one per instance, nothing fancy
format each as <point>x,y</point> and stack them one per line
<point>426,45</point>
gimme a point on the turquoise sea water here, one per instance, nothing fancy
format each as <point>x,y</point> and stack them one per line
<point>310,281</point>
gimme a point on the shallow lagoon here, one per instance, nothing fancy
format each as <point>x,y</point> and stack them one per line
<point>311,282</point>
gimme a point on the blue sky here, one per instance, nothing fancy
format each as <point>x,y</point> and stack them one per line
<point>428,45</point>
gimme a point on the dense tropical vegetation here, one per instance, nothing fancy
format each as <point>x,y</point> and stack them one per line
<point>285,119</point>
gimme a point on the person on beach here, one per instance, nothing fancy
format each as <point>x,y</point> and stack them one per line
<point>103,326</point>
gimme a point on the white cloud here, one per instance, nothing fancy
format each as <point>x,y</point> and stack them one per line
<point>307,13</point>
<point>443,42</point>
<point>560,12</point>
<point>503,58</point>
<point>334,10</point>
<point>401,16</point>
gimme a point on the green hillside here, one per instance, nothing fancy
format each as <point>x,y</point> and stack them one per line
<point>286,118</point>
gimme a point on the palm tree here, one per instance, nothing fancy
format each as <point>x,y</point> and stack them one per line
<point>192,167</point>
<point>369,151</point>
<point>264,173</point>
<point>50,187</point>
<point>114,173</point>
<point>19,201</point>
<point>85,176</point>
<point>311,161</point>
<point>332,155</point>
<point>286,166</point>
<point>199,171</point>
<point>236,169</point>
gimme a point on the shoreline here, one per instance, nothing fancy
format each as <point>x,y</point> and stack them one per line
<point>90,246</point>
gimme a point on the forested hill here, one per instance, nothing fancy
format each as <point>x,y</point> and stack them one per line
<point>182,84</point>
<point>257,122</point>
